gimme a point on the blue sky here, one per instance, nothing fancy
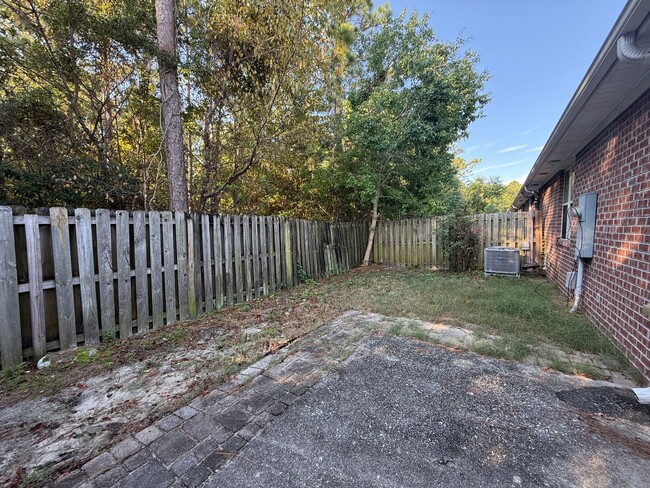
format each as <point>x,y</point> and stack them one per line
<point>537,52</point>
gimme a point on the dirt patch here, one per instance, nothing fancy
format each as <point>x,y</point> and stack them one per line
<point>56,419</point>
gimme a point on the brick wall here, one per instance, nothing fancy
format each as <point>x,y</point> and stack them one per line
<point>616,165</point>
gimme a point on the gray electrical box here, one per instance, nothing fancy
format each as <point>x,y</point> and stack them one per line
<point>586,225</point>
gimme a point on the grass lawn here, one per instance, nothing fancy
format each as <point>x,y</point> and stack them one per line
<point>523,313</point>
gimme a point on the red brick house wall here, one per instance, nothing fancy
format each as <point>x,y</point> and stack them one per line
<point>615,165</point>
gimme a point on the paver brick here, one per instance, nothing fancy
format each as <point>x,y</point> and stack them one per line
<point>151,474</point>
<point>171,446</point>
<point>254,402</point>
<point>234,444</point>
<point>263,383</point>
<point>278,372</point>
<point>211,398</point>
<point>200,426</point>
<point>183,464</point>
<point>169,422</point>
<point>138,459</point>
<point>299,389</point>
<point>110,478</point>
<point>266,361</point>
<point>249,431</point>
<point>221,434</point>
<point>263,419</point>
<point>206,447</point>
<point>195,476</point>
<point>125,448</point>
<point>98,465</point>
<point>186,412</point>
<point>148,435</point>
<point>217,459</point>
<point>288,398</point>
<point>70,480</point>
<point>233,418</point>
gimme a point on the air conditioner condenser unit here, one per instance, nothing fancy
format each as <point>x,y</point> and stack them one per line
<point>501,260</point>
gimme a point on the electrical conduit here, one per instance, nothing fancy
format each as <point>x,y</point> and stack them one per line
<point>578,290</point>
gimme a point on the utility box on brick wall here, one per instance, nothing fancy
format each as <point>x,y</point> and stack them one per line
<point>586,225</point>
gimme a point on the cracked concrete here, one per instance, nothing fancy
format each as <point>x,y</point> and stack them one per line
<point>348,405</point>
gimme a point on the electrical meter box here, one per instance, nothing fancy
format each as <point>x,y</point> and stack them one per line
<point>586,225</point>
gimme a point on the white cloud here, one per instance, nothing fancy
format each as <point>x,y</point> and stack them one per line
<point>531,130</point>
<point>538,148</point>
<point>512,148</point>
<point>471,149</point>
<point>501,166</point>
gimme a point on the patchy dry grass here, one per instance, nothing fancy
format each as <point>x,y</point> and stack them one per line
<point>521,312</point>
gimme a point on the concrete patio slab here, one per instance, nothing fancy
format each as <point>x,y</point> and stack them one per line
<point>403,413</point>
<point>350,405</point>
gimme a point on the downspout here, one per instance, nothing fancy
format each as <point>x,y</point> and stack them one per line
<point>578,290</point>
<point>576,212</point>
<point>629,52</point>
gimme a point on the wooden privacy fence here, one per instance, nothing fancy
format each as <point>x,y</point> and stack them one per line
<point>71,278</point>
<point>413,242</point>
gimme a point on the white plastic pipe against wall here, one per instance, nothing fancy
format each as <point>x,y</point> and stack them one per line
<point>578,290</point>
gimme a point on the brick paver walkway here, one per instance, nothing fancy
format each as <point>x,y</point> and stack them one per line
<point>185,447</point>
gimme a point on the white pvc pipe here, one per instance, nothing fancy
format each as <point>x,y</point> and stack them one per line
<point>578,290</point>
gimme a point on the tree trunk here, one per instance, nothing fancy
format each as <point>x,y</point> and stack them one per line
<point>373,225</point>
<point>171,104</point>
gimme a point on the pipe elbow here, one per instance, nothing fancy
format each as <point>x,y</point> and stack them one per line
<point>628,51</point>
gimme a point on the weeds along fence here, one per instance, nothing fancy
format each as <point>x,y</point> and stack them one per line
<point>414,242</point>
<point>74,277</point>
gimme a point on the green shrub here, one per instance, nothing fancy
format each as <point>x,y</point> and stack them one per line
<point>459,240</point>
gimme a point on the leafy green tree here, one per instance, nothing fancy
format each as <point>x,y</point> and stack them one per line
<point>66,69</point>
<point>509,194</point>
<point>410,98</point>
<point>265,83</point>
<point>483,195</point>
<point>488,195</point>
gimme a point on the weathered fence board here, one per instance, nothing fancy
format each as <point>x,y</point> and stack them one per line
<point>248,280</point>
<point>61,254</point>
<point>207,261</point>
<point>117,272</point>
<point>237,247</point>
<point>105,268</point>
<point>10,337</point>
<point>86,262</point>
<point>192,306</point>
<point>228,256</point>
<point>155,252</point>
<point>123,244</point>
<point>168,267</point>
<point>35,271</point>
<point>141,279</point>
<point>181,262</point>
<point>218,261</point>
<point>413,242</point>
